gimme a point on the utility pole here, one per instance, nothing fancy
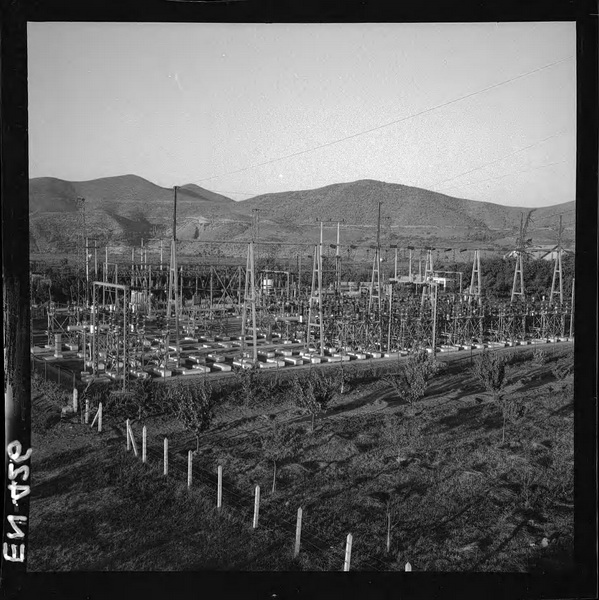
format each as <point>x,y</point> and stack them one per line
<point>434,336</point>
<point>173,292</point>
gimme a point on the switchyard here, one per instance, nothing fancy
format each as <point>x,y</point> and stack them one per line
<point>145,319</point>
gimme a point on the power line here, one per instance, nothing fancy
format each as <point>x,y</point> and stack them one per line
<point>436,185</point>
<point>394,122</point>
<point>460,185</point>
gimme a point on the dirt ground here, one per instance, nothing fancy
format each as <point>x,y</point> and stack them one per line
<point>435,475</point>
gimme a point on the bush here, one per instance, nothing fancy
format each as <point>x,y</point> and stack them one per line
<point>248,386</point>
<point>491,370</point>
<point>410,381</point>
<point>539,356</point>
<point>194,407</point>
<point>314,393</point>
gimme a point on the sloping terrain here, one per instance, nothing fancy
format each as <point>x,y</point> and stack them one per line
<point>458,498</point>
<point>122,210</point>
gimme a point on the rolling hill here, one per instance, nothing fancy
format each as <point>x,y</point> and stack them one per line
<point>124,209</point>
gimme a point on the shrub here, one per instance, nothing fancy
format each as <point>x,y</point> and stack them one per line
<point>491,370</point>
<point>314,393</point>
<point>194,407</point>
<point>539,356</point>
<point>248,385</point>
<point>410,381</point>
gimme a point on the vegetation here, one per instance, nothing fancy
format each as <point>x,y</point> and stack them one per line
<point>194,407</point>
<point>539,356</point>
<point>410,381</point>
<point>314,393</point>
<point>454,501</point>
<point>278,443</point>
<point>490,369</point>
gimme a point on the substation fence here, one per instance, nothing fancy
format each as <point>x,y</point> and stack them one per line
<point>64,377</point>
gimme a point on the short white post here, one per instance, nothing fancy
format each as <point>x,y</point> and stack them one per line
<point>348,544</point>
<point>127,435</point>
<point>144,442</point>
<point>189,468</point>
<point>100,418</point>
<point>165,457</point>
<point>75,399</point>
<point>95,417</point>
<point>298,533</point>
<point>86,411</point>
<point>219,491</point>
<point>256,506</point>
<point>408,566</point>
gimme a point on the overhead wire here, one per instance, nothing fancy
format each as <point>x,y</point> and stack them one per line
<point>388,124</point>
<point>497,160</point>
<point>511,174</point>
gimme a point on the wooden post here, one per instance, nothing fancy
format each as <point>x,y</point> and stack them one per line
<point>408,566</point>
<point>75,399</point>
<point>219,491</point>
<point>189,468</point>
<point>133,444</point>
<point>95,417</point>
<point>165,457</point>
<point>388,532</point>
<point>348,545</point>
<point>144,446</point>
<point>100,418</point>
<point>86,411</point>
<point>256,506</point>
<point>127,435</point>
<point>298,533</point>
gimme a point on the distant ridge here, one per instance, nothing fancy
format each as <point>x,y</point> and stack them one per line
<point>122,210</point>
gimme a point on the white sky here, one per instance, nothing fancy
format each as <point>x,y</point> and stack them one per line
<point>189,103</point>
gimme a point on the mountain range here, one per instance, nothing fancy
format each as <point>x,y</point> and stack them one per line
<point>123,210</point>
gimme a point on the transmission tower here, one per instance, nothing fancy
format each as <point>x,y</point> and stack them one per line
<point>521,246</point>
<point>249,301</point>
<point>315,304</point>
<point>475,291</point>
<point>557,269</point>
<point>375,282</point>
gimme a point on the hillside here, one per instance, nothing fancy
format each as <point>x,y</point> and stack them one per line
<point>124,209</point>
<point>403,209</point>
<point>120,209</point>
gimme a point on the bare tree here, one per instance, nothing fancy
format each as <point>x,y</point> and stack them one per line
<point>278,443</point>
<point>194,407</point>
<point>315,393</point>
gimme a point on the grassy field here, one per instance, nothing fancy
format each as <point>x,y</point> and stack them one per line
<point>457,498</point>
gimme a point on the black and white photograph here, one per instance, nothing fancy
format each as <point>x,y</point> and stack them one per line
<point>302,298</point>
